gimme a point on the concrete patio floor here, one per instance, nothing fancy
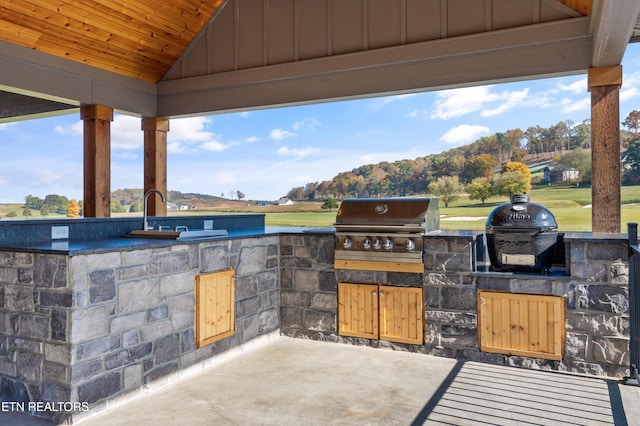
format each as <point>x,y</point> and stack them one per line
<point>300,382</point>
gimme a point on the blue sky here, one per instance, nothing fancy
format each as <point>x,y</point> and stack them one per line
<point>266,153</point>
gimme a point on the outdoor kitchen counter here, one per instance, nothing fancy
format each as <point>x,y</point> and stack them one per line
<point>126,243</point>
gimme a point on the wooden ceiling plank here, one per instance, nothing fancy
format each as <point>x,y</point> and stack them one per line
<point>582,6</point>
<point>162,20</point>
<point>114,59</point>
<point>18,34</point>
<point>138,72</point>
<point>94,49</point>
<point>136,38</point>
<point>133,30</point>
<point>86,34</point>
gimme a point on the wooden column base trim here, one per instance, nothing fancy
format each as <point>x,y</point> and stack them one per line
<point>605,76</point>
<point>368,265</point>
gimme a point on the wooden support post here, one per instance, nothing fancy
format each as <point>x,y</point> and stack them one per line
<point>97,160</point>
<point>155,162</point>
<point>604,85</point>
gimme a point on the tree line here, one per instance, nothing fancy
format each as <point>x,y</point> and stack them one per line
<point>567,144</point>
<point>122,200</point>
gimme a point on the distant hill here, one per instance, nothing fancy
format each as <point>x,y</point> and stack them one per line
<point>410,177</point>
<point>197,196</point>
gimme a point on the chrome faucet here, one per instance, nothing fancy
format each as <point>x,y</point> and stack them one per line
<point>145,225</point>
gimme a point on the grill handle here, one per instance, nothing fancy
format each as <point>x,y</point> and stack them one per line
<point>514,230</point>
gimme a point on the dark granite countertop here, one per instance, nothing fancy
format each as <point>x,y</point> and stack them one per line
<point>584,237</point>
<point>125,243</point>
<point>454,234</point>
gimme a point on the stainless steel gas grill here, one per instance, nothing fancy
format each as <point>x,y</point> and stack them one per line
<point>384,234</point>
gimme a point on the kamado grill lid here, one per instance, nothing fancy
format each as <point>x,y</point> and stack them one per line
<point>521,215</point>
<point>411,213</point>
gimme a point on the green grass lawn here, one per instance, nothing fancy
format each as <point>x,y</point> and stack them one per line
<point>309,219</point>
<point>570,206</point>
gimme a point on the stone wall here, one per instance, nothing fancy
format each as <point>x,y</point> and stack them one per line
<point>35,351</point>
<point>598,307</point>
<point>594,284</point>
<point>309,298</point>
<point>91,327</point>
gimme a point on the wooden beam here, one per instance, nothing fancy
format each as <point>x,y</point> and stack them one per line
<point>38,74</point>
<point>97,160</point>
<point>155,162</point>
<point>605,154</point>
<point>605,76</point>
<point>613,23</point>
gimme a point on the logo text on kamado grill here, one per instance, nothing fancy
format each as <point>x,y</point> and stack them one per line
<point>382,208</point>
<point>518,216</point>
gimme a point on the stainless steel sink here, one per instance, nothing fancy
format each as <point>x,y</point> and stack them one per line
<point>187,234</point>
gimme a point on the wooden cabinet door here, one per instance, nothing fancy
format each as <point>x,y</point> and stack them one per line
<point>522,324</point>
<point>214,307</point>
<point>401,314</point>
<point>381,312</point>
<point>358,310</point>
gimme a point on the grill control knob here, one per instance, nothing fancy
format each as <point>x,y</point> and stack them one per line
<point>377,244</point>
<point>367,244</point>
<point>347,244</point>
<point>388,244</point>
<point>410,245</point>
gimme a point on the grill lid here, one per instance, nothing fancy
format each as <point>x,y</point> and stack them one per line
<point>521,215</point>
<point>397,214</point>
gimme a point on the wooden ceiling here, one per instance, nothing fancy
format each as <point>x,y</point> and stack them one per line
<point>136,38</point>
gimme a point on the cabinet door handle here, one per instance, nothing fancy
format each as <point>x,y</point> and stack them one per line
<point>374,293</point>
<point>381,293</point>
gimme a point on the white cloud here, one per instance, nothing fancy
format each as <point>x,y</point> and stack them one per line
<point>177,148</point>
<point>191,129</point>
<point>297,152</point>
<point>214,146</point>
<point>307,122</point>
<point>418,113</point>
<point>279,134</point>
<point>126,132</point>
<point>458,102</point>
<point>510,100</point>
<point>3,181</point>
<point>252,139</point>
<point>629,93</point>
<point>464,133</point>
<point>580,105</point>
<point>378,104</point>
<point>578,87</point>
<point>184,132</point>
<point>76,128</point>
